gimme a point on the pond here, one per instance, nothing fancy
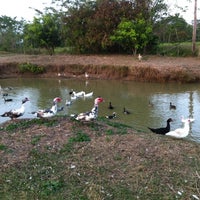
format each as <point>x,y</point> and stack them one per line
<point>134,96</point>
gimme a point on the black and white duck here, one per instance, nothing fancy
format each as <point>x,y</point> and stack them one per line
<point>91,115</point>
<point>15,113</point>
<point>49,112</point>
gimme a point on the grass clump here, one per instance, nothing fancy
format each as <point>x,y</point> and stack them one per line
<point>29,67</point>
<point>80,137</point>
<point>23,124</point>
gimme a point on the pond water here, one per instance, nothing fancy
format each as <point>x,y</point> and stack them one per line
<point>134,96</point>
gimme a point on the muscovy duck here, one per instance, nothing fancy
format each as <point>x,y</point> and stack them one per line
<point>91,115</point>
<point>7,100</point>
<point>126,112</point>
<point>111,116</point>
<point>171,106</point>
<point>110,106</point>
<point>90,94</point>
<point>140,57</point>
<point>49,112</point>
<point>74,95</point>
<point>86,75</point>
<point>15,113</point>
<point>164,130</point>
<point>68,103</point>
<point>181,132</point>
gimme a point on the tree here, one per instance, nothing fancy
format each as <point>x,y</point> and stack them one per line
<point>90,24</point>
<point>173,29</point>
<point>11,32</point>
<point>44,32</point>
<point>133,35</point>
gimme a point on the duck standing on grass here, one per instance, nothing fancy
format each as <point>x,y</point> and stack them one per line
<point>15,113</point>
<point>181,132</point>
<point>49,112</point>
<point>91,115</point>
<point>164,130</point>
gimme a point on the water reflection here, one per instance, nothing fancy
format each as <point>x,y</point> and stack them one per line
<point>134,96</point>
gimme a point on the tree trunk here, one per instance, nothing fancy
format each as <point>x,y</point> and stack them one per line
<point>194,28</point>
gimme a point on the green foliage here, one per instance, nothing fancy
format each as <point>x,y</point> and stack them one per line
<point>11,33</point>
<point>176,49</point>
<point>27,123</point>
<point>133,35</point>
<point>51,186</point>
<point>2,147</point>
<point>44,32</point>
<point>29,67</point>
<point>173,29</point>
<point>90,24</point>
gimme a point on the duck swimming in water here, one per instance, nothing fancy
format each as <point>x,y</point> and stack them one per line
<point>15,113</point>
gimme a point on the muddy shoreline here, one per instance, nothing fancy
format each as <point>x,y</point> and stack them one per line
<point>123,67</point>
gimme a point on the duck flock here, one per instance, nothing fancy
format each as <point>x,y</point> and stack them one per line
<point>89,115</point>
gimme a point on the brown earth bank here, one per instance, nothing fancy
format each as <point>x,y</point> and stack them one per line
<point>95,160</point>
<point>124,67</point>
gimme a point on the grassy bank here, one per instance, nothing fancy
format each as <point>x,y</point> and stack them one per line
<point>60,158</point>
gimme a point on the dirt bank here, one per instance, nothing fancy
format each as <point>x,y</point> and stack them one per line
<point>151,68</point>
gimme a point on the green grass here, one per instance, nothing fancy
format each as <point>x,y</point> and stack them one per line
<point>23,124</point>
<point>96,162</point>
<point>178,49</point>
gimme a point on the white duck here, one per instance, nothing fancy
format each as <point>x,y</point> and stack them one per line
<point>181,132</point>
<point>15,113</point>
<point>49,112</point>
<point>91,115</point>
<point>90,94</point>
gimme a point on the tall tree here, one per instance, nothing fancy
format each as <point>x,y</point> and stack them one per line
<point>11,32</point>
<point>44,32</point>
<point>133,35</point>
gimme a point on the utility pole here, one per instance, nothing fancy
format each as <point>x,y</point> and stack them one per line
<point>194,28</point>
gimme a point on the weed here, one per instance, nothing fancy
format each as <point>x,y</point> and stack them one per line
<point>80,137</point>
<point>22,124</point>
<point>35,139</point>
<point>51,186</point>
<point>109,132</point>
<point>29,67</point>
<point>2,147</point>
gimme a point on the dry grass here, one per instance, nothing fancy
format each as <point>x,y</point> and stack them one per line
<point>159,69</point>
<point>53,159</point>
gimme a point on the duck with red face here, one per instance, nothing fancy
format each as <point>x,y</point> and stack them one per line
<point>93,114</point>
<point>49,112</point>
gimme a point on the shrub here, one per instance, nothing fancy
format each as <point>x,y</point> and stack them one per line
<point>29,67</point>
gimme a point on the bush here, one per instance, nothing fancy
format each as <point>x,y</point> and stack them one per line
<point>29,67</point>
